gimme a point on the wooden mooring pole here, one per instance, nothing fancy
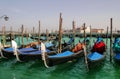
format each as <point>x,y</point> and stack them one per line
<point>26,33</point>
<point>19,37</point>
<point>90,36</point>
<point>84,47</point>
<point>33,33</point>
<point>22,30</point>
<point>74,32</point>
<point>39,32</point>
<point>107,37</point>
<point>111,35</point>
<point>60,33</point>
<point>47,34</point>
<point>11,35</point>
<point>3,36</point>
<point>84,33</point>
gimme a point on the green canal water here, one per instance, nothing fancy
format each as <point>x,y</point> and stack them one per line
<point>11,69</point>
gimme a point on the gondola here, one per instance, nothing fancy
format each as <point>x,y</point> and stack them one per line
<point>116,50</point>
<point>97,54</point>
<point>36,38</point>
<point>67,45</point>
<point>63,57</point>
<point>53,45</point>
<point>24,54</point>
<point>52,60</point>
<point>49,45</point>
<point>32,55</point>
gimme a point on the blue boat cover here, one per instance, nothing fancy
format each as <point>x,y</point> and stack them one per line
<point>10,49</point>
<point>116,45</point>
<point>117,56</point>
<point>117,40</point>
<point>70,41</point>
<point>41,38</point>
<point>99,39</point>
<point>66,53</point>
<point>26,50</point>
<point>48,44</point>
<point>95,56</point>
<point>32,52</point>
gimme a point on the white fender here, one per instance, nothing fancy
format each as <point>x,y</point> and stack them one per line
<point>14,46</point>
<point>1,51</point>
<point>43,50</point>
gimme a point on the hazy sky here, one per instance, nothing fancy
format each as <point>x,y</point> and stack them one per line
<point>96,13</point>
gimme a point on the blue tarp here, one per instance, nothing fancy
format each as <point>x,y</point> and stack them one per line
<point>23,49</point>
<point>33,52</point>
<point>117,56</point>
<point>95,56</point>
<point>66,53</point>
<point>9,49</point>
<point>116,45</point>
<point>26,50</point>
<point>48,44</point>
<point>117,40</point>
<point>70,41</point>
<point>99,39</point>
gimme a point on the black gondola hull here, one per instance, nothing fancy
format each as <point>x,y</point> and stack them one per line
<point>60,60</point>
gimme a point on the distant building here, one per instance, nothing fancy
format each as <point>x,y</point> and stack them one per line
<point>87,30</point>
<point>97,31</point>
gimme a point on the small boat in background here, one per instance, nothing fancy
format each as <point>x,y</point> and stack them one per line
<point>97,54</point>
<point>67,45</point>
<point>116,49</point>
<point>53,45</point>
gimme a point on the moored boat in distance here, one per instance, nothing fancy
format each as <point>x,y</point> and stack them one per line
<point>116,50</point>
